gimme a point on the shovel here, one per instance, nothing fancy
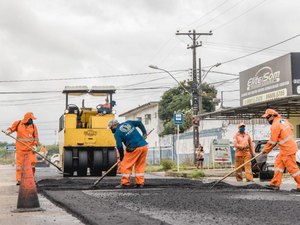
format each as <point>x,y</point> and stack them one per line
<point>32,149</point>
<point>113,166</point>
<point>236,169</point>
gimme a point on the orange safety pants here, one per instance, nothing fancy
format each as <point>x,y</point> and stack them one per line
<point>288,162</point>
<point>20,161</point>
<point>136,159</point>
<point>239,160</point>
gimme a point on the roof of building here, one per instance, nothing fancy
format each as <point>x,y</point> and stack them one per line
<point>287,107</point>
<point>140,108</point>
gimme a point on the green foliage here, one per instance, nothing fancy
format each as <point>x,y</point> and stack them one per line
<point>196,174</point>
<point>153,168</point>
<point>6,157</point>
<point>52,149</point>
<point>167,164</point>
<point>177,100</point>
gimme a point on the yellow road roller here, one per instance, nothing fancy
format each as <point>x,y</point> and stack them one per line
<point>86,146</point>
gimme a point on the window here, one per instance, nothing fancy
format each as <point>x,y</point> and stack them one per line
<point>147,119</point>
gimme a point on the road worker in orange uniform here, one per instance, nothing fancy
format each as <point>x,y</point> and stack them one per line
<point>27,133</point>
<point>135,151</point>
<point>244,151</point>
<point>282,134</point>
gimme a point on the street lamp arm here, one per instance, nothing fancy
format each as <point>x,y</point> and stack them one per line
<point>216,65</point>
<point>180,84</point>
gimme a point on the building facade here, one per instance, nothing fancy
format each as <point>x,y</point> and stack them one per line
<point>148,114</point>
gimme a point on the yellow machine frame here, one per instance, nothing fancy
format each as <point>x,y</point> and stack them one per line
<point>85,143</point>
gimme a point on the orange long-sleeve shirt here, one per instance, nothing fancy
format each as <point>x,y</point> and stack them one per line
<point>243,144</point>
<point>282,134</point>
<point>25,133</point>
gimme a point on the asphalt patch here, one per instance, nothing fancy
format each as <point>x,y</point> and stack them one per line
<point>171,201</point>
<point>110,183</point>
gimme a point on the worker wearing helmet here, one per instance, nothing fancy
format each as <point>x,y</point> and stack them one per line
<point>136,150</point>
<point>244,151</point>
<point>27,133</point>
<point>282,134</point>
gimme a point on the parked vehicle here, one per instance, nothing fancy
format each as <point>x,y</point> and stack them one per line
<point>263,166</point>
<point>55,159</point>
<point>41,162</point>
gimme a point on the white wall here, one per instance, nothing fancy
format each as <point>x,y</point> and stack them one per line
<point>154,122</point>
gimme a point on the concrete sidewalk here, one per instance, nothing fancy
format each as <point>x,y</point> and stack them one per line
<point>8,202</point>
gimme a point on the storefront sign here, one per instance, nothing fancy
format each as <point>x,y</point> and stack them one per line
<point>275,79</point>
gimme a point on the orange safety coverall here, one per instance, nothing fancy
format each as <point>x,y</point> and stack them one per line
<point>136,159</point>
<point>282,134</point>
<point>29,135</point>
<point>244,150</point>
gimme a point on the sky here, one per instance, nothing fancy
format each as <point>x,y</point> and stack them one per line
<point>46,45</point>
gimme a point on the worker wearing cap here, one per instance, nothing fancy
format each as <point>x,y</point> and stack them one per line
<point>136,150</point>
<point>27,133</point>
<point>244,150</point>
<point>282,134</point>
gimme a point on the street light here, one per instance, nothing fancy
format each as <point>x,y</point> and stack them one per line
<point>157,68</point>
<point>216,65</point>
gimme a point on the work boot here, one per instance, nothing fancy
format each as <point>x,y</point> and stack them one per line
<point>18,183</point>
<point>272,187</point>
<point>297,190</point>
<point>139,186</point>
<point>121,186</point>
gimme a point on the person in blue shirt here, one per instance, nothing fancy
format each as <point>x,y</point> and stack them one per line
<point>136,149</point>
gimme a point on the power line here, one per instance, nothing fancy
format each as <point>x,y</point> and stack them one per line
<point>224,81</point>
<point>87,77</point>
<point>225,11</point>
<point>223,73</point>
<point>233,19</point>
<point>197,20</point>
<point>244,56</point>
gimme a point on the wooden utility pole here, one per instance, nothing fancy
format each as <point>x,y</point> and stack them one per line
<point>195,93</point>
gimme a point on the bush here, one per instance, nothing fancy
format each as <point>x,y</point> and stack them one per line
<point>167,164</point>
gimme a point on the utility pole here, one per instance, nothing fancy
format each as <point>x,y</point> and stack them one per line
<point>195,93</point>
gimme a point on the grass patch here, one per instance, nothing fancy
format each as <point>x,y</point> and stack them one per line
<point>196,174</point>
<point>153,168</point>
<point>167,164</point>
<point>6,161</point>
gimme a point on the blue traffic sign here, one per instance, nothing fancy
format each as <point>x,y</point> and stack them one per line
<point>178,118</point>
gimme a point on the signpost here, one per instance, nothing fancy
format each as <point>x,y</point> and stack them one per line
<point>178,120</point>
<point>221,151</point>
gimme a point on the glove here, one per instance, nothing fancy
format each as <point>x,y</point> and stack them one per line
<point>34,148</point>
<point>121,155</point>
<point>7,131</point>
<point>145,136</point>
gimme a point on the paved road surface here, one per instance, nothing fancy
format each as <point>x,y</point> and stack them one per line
<point>163,201</point>
<point>174,201</point>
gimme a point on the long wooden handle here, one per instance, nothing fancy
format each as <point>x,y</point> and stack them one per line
<point>227,175</point>
<point>32,149</point>
<point>104,175</point>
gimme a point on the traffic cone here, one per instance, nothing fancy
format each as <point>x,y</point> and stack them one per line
<point>28,200</point>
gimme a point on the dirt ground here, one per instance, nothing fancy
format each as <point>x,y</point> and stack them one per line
<point>172,201</point>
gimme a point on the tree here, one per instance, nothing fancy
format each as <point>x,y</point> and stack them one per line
<point>178,100</point>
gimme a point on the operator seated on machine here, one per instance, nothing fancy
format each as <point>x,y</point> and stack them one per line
<point>104,108</point>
